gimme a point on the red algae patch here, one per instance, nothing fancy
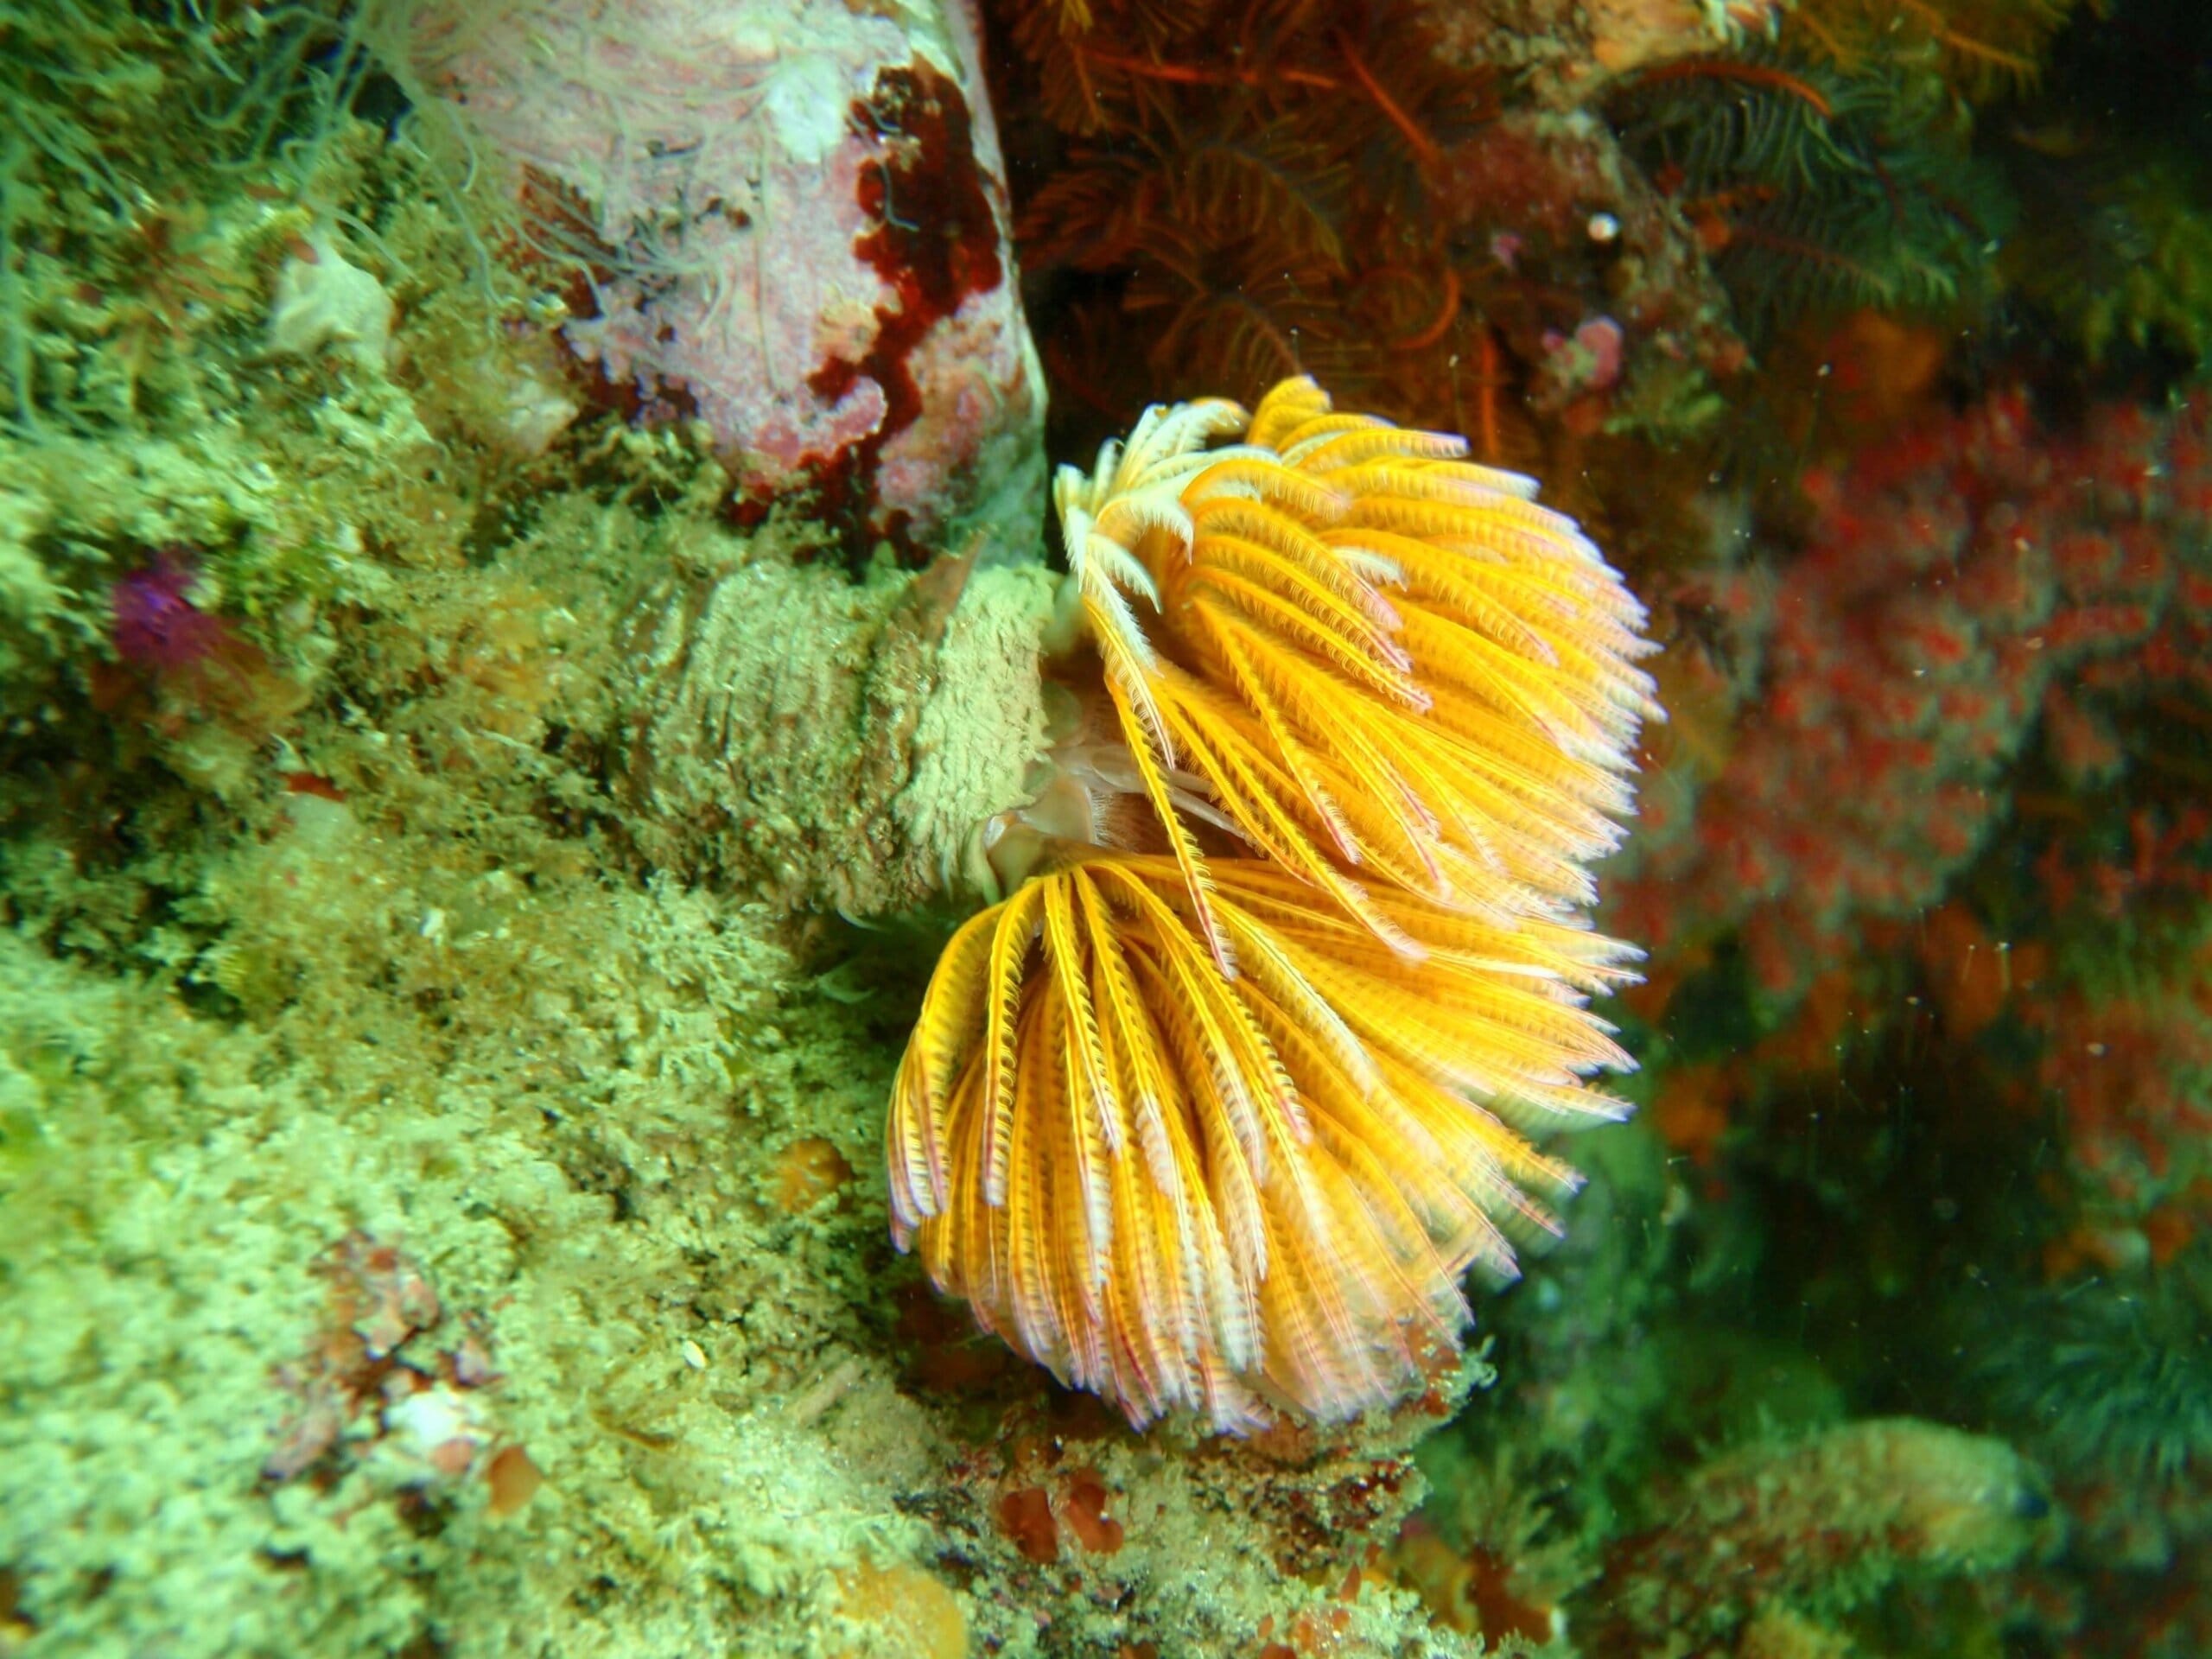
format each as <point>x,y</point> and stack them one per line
<point>1089,1514</point>
<point>1025,1517</point>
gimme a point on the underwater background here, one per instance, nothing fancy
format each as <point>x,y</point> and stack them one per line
<point>531,610</point>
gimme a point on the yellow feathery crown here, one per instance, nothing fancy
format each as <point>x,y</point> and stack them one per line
<point>1220,1128</point>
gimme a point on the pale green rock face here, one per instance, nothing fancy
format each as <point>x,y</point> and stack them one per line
<point>321,300</point>
<point>428,1041</point>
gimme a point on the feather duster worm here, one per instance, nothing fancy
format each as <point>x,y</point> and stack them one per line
<point>1218,1124</point>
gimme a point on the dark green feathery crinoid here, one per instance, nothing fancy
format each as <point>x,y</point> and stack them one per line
<point>2111,1377</point>
<point>2117,257</point>
<point>1818,189</point>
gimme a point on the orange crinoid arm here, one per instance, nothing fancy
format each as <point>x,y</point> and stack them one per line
<point>1221,1131</point>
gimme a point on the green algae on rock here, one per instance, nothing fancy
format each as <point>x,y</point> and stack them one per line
<point>423,1074</point>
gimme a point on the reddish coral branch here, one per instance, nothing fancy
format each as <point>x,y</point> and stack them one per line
<point>1965,587</point>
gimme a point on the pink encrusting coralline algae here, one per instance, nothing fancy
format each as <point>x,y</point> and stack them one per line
<point>795,220</point>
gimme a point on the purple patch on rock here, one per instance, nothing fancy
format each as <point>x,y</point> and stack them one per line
<point>156,625</point>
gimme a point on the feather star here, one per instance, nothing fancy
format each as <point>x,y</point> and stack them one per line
<point>1221,1131</point>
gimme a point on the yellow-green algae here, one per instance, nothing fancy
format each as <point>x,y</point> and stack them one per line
<point>438,918</point>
